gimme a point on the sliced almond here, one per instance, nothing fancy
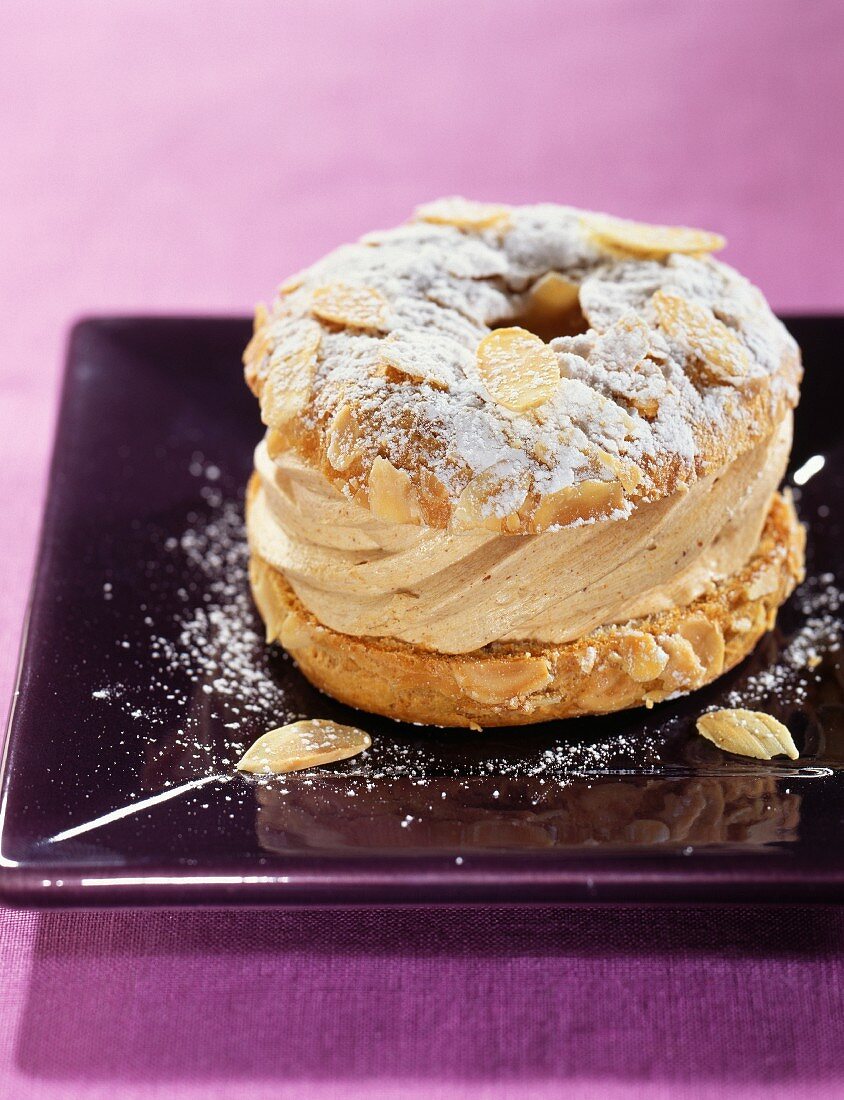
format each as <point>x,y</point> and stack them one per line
<point>587,659</point>
<point>642,658</point>
<point>300,745</point>
<point>476,505</point>
<point>764,583</point>
<point>625,469</point>
<point>646,405</point>
<point>720,355</point>
<point>589,500</point>
<point>642,239</point>
<point>434,500</point>
<point>294,634</point>
<point>360,307</point>
<point>684,670</point>
<point>554,293</point>
<point>290,379</point>
<point>277,443</point>
<point>258,347</point>
<point>343,445</point>
<point>405,360</point>
<point>503,680</point>
<point>463,213</point>
<point>747,733</point>
<point>265,599</point>
<point>293,283</point>
<point>552,307</point>
<point>707,640</point>
<point>518,370</point>
<point>624,344</point>
<point>624,352</point>
<point>391,493</point>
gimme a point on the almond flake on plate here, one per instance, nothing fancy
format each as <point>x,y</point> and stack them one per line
<point>747,733</point>
<point>301,745</point>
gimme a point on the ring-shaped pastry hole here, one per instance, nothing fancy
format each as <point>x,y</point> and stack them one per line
<point>549,308</point>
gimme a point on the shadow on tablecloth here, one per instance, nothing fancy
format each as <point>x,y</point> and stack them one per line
<point>677,995</point>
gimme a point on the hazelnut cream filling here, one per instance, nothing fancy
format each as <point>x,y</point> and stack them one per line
<point>458,591</point>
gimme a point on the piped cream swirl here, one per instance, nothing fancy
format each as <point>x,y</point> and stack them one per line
<point>458,591</point>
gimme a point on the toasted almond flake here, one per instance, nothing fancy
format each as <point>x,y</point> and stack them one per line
<point>707,640</point>
<point>764,583</point>
<point>747,733</point>
<point>391,493</point>
<point>434,500</point>
<point>642,658</point>
<point>624,351</point>
<point>361,307</point>
<point>293,633</point>
<point>721,357</point>
<point>258,347</point>
<point>646,406</point>
<point>588,500</point>
<point>300,745</point>
<point>503,680</point>
<point>290,378</point>
<point>518,370</point>
<point>403,365</point>
<point>262,592</point>
<point>625,469</point>
<point>641,239</point>
<point>684,670</point>
<point>343,445</point>
<point>463,213</point>
<point>552,307</point>
<point>554,293</point>
<point>624,344</point>
<point>476,508</point>
<point>293,283</point>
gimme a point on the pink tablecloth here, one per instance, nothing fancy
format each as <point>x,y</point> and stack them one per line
<point>167,156</point>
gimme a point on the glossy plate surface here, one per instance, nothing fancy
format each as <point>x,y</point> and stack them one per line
<point>144,675</point>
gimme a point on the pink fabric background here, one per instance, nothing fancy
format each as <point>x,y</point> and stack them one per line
<point>184,156</point>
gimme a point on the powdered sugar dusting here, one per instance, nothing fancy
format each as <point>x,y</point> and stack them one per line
<point>204,652</point>
<point>785,680</point>
<point>448,285</point>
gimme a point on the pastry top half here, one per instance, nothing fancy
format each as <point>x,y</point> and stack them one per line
<point>436,391</point>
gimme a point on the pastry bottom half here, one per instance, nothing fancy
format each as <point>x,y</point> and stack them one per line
<point>615,667</point>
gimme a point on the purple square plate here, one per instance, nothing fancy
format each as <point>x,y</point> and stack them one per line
<point>143,675</point>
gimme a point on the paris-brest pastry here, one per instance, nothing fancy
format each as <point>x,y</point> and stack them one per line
<point>520,463</point>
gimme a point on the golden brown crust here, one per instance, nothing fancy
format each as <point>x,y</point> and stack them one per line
<point>406,369</point>
<point>504,684</point>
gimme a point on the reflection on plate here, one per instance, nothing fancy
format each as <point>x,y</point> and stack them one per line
<point>327,813</point>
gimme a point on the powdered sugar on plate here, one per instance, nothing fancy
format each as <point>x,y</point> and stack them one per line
<point>785,680</point>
